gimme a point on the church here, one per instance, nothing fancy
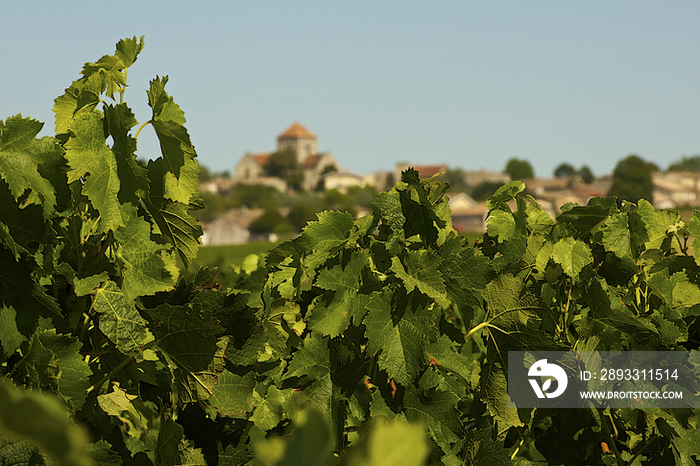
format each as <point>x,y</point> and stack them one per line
<point>304,144</point>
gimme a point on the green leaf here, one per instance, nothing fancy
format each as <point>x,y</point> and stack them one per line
<point>187,334</point>
<point>505,193</point>
<point>439,412</point>
<point>395,444</point>
<point>422,271</point>
<point>309,444</point>
<point>483,449</point>
<point>14,451</point>
<point>21,228</point>
<point>179,170</point>
<point>179,227</point>
<point>148,266</point>
<point>162,104</point>
<point>42,420</point>
<point>110,71</point>
<point>510,306</point>
<point>694,229</point>
<point>128,50</point>
<point>247,333</point>
<point>616,236</point>
<point>84,286</point>
<point>387,206</point>
<point>346,304</point>
<point>330,375</point>
<point>398,339</point>
<point>140,419</point>
<point>89,157</point>
<point>232,396</point>
<point>10,337</point>
<point>501,224</point>
<point>133,177</point>
<point>270,411</point>
<point>586,220</point>
<point>325,236</point>
<point>538,221</point>
<point>28,298</point>
<point>573,255</point>
<point>74,373</point>
<point>20,156</point>
<point>119,319</point>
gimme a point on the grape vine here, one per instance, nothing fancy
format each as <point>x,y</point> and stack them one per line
<point>359,342</point>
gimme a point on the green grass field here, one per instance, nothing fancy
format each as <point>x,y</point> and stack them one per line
<point>217,256</point>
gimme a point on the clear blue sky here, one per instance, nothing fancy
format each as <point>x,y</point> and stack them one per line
<point>466,83</point>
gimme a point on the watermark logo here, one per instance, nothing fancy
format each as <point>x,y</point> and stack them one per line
<point>551,372</point>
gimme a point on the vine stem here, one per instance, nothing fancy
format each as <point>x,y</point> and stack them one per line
<point>140,128</point>
<point>476,329</point>
<point>119,367</point>
<point>651,440</point>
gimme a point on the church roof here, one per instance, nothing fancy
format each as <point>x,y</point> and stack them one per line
<point>297,130</point>
<point>312,160</point>
<point>261,158</point>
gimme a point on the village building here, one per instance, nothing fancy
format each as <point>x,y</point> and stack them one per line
<point>342,180</point>
<point>230,228</point>
<point>304,144</point>
<point>676,189</point>
<point>425,171</point>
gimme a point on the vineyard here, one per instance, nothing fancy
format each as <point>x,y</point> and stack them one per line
<point>373,341</point>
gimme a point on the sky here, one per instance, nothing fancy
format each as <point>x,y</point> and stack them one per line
<point>470,84</point>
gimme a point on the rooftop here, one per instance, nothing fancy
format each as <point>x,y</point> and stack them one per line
<point>297,130</point>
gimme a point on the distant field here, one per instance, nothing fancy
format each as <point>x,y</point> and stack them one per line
<point>216,256</point>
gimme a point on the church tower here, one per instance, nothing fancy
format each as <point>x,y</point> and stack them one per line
<point>299,139</point>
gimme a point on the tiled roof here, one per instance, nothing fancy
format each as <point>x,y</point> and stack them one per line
<point>261,159</point>
<point>312,160</point>
<point>297,130</point>
<point>426,171</point>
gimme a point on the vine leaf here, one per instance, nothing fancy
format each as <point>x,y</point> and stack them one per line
<point>346,304</point>
<point>325,236</point>
<point>694,229</point>
<point>74,372</point>
<point>330,376</point>
<point>187,334</point>
<point>128,50</point>
<point>422,271</point>
<point>439,412</point>
<point>148,266</point>
<point>179,227</point>
<point>27,297</point>
<point>573,255</point>
<point>233,396</point>
<point>89,157</point>
<point>44,421</point>
<point>20,155</point>
<point>398,341</point>
<point>119,319</point>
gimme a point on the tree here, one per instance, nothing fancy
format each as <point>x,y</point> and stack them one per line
<point>483,191</point>
<point>632,180</point>
<point>455,178</point>
<point>586,174</point>
<point>564,171</point>
<point>284,165</point>
<point>519,169</point>
<point>204,174</point>
<point>271,222</point>
<point>686,164</point>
